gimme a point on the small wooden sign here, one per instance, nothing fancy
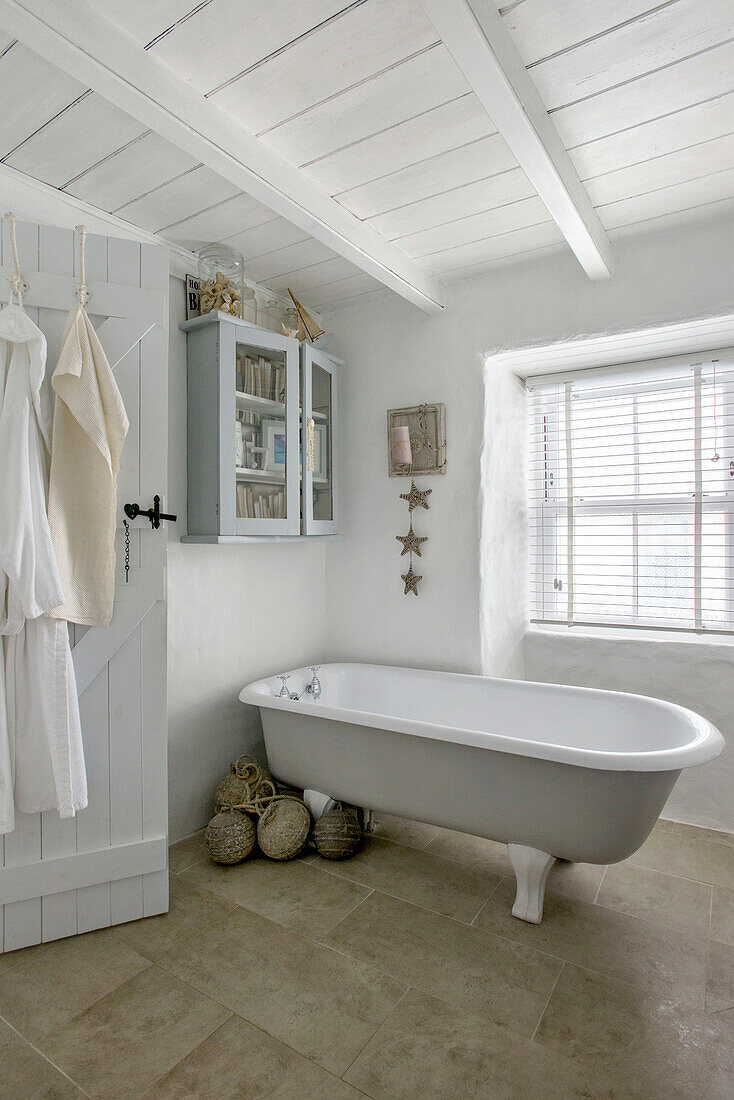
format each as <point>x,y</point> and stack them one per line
<point>192,297</point>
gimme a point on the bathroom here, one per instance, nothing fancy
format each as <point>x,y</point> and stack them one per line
<point>448,270</point>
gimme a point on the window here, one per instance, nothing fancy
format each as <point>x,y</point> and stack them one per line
<point>632,497</point>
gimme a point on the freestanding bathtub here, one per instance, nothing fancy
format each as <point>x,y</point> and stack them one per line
<point>552,771</point>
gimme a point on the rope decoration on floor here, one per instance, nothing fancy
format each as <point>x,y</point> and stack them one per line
<point>253,810</point>
<point>282,820</point>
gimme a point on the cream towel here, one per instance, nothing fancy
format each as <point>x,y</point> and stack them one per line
<point>89,430</point>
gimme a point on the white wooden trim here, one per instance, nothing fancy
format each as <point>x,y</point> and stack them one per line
<point>99,644</point>
<point>54,876</point>
<point>119,335</point>
<point>77,39</point>
<point>474,34</point>
<point>682,338</point>
<point>34,201</point>
<point>110,300</point>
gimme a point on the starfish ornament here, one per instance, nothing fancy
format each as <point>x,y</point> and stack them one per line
<point>411,581</point>
<point>416,498</point>
<point>411,542</point>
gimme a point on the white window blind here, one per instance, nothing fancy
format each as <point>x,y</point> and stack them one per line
<point>632,498</point>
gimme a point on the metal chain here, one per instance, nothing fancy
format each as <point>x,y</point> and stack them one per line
<point>126,525</point>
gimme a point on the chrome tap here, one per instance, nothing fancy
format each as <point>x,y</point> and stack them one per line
<point>284,692</point>
<point>314,688</point>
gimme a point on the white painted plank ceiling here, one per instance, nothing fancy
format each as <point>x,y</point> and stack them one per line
<point>367,103</point>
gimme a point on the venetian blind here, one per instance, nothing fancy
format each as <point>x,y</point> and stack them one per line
<point>632,497</point>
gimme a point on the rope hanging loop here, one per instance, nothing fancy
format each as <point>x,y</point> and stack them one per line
<point>83,293</point>
<point>18,286</point>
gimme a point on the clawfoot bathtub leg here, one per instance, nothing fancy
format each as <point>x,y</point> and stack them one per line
<point>531,871</point>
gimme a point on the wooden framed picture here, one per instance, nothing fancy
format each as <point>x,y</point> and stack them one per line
<point>427,432</point>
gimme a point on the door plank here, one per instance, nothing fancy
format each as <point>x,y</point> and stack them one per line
<point>126,768</point>
<point>93,825</point>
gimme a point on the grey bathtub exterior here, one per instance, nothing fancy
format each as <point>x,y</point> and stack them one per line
<point>575,813</point>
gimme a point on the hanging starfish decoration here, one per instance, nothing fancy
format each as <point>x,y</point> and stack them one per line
<point>416,498</point>
<point>411,581</point>
<point>411,542</point>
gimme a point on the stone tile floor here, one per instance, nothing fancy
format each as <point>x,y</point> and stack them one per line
<point>399,974</point>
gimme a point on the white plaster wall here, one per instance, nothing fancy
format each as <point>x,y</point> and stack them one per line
<point>398,356</point>
<point>235,613</point>
<point>697,674</point>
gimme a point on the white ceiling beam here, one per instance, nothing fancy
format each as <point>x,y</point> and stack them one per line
<point>476,37</point>
<point>77,39</point>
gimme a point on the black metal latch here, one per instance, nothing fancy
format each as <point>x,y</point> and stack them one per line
<point>154,514</point>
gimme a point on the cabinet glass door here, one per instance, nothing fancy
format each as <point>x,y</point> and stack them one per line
<point>266,445</point>
<point>319,420</point>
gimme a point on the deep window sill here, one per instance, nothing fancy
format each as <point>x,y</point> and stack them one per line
<point>629,634</point>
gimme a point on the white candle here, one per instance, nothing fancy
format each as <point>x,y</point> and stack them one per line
<point>400,449</point>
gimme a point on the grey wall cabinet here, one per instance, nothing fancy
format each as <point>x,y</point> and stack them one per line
<point>261,429</point>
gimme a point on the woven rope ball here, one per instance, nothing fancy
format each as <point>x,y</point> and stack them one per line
<point>337,834</point>
<point>283,828</point>
<point>230,837</point>
<point>246,783</point>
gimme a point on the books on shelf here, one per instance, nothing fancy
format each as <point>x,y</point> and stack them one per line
<point>260,377</point>
<point>254,502</point>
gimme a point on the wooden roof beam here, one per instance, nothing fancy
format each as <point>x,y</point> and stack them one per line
<point>72,35</point>
<point>476,37</point>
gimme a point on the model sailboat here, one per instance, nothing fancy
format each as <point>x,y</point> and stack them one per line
<point>308,328</point>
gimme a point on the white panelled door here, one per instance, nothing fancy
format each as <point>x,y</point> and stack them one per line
<point>108,864</point>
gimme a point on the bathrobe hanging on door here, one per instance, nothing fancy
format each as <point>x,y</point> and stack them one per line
<point>41,755</point>
<point>90,426</point>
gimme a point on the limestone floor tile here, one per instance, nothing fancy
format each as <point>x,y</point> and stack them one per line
<point>475,851</point>
<point>633,1045</point>
<point>62,978</point>
<point>572,879</point>
<point>720,985</point>
<point>295,894</point>
<point>602,939</point>
<point>240,1062</point>
<point>9,959</point>
<point>575,880</point>
<point>415,834</point>
<point>716,836</point>
<point>190,912</point>
<point>676,902</point>
<point>422,878</point>
<point>126,1041</point>
<point>722,916</point>
<point>502,981</point>
<point>27,1075</point>
<point>690,856</point>
<point>323,1004</point>
<point>182,854</point>
<point>427,1048</point>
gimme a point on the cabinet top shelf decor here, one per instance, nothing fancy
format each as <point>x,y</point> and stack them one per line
<point>262,419</point>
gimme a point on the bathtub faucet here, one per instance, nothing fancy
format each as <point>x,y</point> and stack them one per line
<point>284,692</point>
<point>314,688</point>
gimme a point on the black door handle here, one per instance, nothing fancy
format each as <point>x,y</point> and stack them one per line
<point>154,514</point>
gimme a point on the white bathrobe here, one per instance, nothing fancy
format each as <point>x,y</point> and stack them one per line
<point>90,426</point>
<point>41,755</point>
